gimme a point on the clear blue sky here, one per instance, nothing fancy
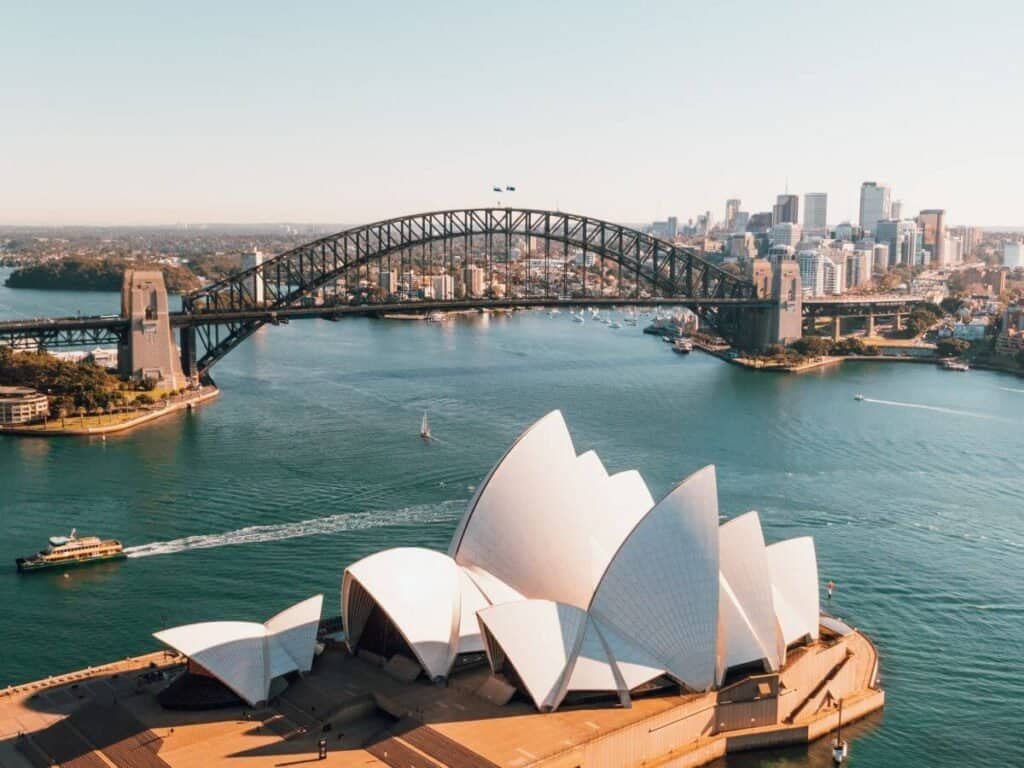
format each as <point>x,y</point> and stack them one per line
<point>144,112</point>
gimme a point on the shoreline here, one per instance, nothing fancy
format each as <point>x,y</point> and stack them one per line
<point>146,418</point>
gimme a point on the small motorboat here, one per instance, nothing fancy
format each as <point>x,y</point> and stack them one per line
<point>858,397</point>
<point>425,427</point>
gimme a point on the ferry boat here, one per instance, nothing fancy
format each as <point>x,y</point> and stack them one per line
<point>69,551</point>
<point>682,346</point>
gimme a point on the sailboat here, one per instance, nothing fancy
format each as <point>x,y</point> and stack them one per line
<point>425,427</point>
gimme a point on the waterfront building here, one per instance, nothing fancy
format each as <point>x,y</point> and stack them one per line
<point>473,279</point>
<point>816,212</point>
<point>902,238</point>
<point>786,209</point>
<point>1010,341</point>
<point>388,282</point>
<point>443,287</point>
<point>786,233</point>
<point>572,580</point>
<point>1013,254</point>
<point>251,260</point>
<point>974,330</point>
<point>21,405</point>
<point>875,204</point>
<point>932,226</point>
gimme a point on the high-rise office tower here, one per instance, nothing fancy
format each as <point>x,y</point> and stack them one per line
<point>786,209</point>
<point>875,205</point>
<point>786,233</point>
<point>251,260</point>
<point>732,207</point>
<point>933,232</point>
<point>816,212</point>
<point>760,223</point>
<point>901,236</point>
<point>896,210</point>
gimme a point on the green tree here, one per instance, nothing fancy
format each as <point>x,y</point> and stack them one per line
<point>952,347</point>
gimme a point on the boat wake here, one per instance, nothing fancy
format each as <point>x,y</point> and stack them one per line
<point>355,521</point>
<point>935,408</point>
<point>1011,389</point>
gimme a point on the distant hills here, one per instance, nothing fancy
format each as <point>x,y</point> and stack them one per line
<point>95,275</point>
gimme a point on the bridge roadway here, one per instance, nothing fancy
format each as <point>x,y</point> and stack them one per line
<point>105,329</point>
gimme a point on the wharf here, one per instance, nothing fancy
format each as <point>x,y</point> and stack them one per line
<point>110,716</point>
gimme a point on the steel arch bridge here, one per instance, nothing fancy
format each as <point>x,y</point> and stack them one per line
<point>567,256</point>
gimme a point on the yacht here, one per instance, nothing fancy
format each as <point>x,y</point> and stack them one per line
<point>615,324</point>
<point>956,365</point>
<point>435,317</point>
<point>72,550</point>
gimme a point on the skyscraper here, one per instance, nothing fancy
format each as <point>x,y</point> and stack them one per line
<point>901,236</point>
<point>786,209</point>
<point>786,233</point>
<point>896,210</point>
<point>732,207</point>
<point>933,233</point>
<point>815,212</point>
<point>251,260</point>
<point>875,204</point>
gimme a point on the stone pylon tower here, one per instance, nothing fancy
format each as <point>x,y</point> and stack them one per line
<point>148,351</point>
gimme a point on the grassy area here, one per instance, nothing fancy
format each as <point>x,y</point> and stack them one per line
<point>74,421</point>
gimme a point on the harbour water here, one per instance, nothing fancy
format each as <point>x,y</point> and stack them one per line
<point>311,458</point>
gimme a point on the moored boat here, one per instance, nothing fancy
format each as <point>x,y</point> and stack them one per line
<point>70,551</point>
<point>682,346</point>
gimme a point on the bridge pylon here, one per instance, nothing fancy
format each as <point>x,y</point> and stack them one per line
<point>148,350</point>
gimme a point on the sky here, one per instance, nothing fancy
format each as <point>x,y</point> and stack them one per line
<point>349,112</point>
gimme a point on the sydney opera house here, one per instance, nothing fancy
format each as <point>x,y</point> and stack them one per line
<point>574,581</point>
<point>573,621</point>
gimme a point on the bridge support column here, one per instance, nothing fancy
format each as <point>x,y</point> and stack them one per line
<point>870,330</point>
<point>188,351</point>
<point>148,350</point>
<point>837,328</point>
<point>899,322</point>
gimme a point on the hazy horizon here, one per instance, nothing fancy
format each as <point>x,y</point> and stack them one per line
<point>255,113</point>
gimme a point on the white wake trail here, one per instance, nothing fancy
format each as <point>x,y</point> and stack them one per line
<point>317,526</point>
<point>935,408</point>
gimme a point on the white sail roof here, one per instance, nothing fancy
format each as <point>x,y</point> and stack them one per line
<point>246,656</point>
<point>661,588</point>
<point>420,591</point>
<point>538,638</point>
<point>794,569</point>
<point>546,522</point>
<point>744,564</point>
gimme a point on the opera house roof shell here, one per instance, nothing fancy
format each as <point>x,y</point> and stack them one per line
<point>247,656</point>
<point>574,580</point>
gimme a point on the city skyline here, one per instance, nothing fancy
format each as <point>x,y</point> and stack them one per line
<point>188,114</point>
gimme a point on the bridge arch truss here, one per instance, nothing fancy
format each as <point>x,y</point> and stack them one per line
<point>567,257</point>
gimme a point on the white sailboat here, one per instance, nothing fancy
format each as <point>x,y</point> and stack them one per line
<point>425,427</point>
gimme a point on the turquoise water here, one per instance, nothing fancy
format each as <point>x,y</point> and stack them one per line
<point>311,459</point>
